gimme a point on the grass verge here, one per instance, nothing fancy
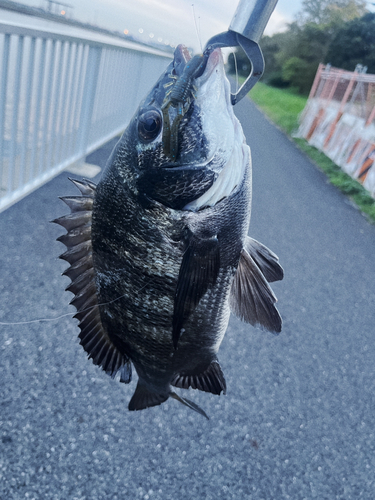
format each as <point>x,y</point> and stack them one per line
<point>283,107</point>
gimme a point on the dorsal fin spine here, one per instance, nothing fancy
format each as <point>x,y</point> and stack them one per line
<point>93,337</point>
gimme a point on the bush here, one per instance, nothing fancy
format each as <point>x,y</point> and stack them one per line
<point>276,80</point>
<point>299,73</point>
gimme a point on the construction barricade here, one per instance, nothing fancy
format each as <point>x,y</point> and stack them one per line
<point>339,119</point>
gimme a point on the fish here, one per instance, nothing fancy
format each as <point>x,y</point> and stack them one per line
<point>158,251</point>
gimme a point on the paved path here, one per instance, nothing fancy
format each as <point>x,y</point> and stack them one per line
<point>298,421</point>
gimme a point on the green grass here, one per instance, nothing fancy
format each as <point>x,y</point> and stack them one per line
<point>283,107</point>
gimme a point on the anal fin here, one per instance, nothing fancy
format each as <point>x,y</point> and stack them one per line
<point>210,380</point>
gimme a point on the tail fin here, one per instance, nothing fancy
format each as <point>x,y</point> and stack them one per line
<point>144,398</point>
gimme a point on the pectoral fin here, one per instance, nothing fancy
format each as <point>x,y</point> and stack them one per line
<point>199,269</point>
<point>251,298</point>
<point>265,259</point>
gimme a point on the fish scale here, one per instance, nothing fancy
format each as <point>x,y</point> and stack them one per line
<point>158,251</point>
<point>134,278</point>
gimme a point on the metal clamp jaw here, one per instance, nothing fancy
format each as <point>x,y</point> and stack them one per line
<point>245,31</point>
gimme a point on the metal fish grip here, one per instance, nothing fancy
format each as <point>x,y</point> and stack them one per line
<point>245,30</point>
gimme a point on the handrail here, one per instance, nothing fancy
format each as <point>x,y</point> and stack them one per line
<point>92,38</point>
<point>62,96</point>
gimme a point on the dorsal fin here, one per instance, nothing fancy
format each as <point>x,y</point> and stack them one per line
<point>210,380</point>
<point>93,337</point>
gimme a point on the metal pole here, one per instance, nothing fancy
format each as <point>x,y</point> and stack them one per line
<point>14,127</point>
<point>89,91</point>
<point>3,93</point>
<point>245,30</point>
<point>38,104</point>
<point>251,18</point>
<point>46,117</point>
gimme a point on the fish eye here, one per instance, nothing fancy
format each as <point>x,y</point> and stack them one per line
<point>149,125</point>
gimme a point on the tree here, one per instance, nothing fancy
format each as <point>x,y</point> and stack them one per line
<point>299,74</point>
<point>326,31</point>
<point>354,44</point>
<point>331,11</point>
<point>276,50</point>
<point>307,43</point>
<point>292,58</point>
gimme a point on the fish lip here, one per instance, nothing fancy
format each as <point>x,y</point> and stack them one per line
<point>181,57</point>
<point>214,59</point>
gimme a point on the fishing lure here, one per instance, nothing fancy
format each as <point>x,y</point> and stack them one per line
<point>180,97</point>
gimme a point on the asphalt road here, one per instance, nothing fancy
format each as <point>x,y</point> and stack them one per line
<point>298,420</point>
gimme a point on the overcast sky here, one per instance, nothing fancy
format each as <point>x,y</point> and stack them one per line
<point>169,20</point>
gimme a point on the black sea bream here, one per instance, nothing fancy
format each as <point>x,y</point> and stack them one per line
<point>158,250</point>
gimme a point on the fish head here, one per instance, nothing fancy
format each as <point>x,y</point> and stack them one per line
<point>185,134</point>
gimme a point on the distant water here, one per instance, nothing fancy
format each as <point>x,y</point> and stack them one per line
<point>34,22</point>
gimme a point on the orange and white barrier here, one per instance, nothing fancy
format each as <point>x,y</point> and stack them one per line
<point>339,119</point>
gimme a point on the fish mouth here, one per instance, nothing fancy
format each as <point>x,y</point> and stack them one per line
<point>228,155</point>
<point>189,74</point>
<point>224,133</point>
<point>181,57</point>
<point>210,59</point>
<point>215,58</point>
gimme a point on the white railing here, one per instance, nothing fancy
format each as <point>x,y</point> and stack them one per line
<point>62,97</point>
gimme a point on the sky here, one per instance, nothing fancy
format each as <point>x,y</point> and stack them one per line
<point>172,21</point>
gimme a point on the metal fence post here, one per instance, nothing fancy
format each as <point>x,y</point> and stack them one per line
<point>15,111</point>
<point>88,99</point>
<point>3,95</point>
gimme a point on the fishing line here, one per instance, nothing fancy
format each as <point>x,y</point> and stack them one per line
<point>3,323</point>
<point>236,70</point>
<point>196,27</point>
